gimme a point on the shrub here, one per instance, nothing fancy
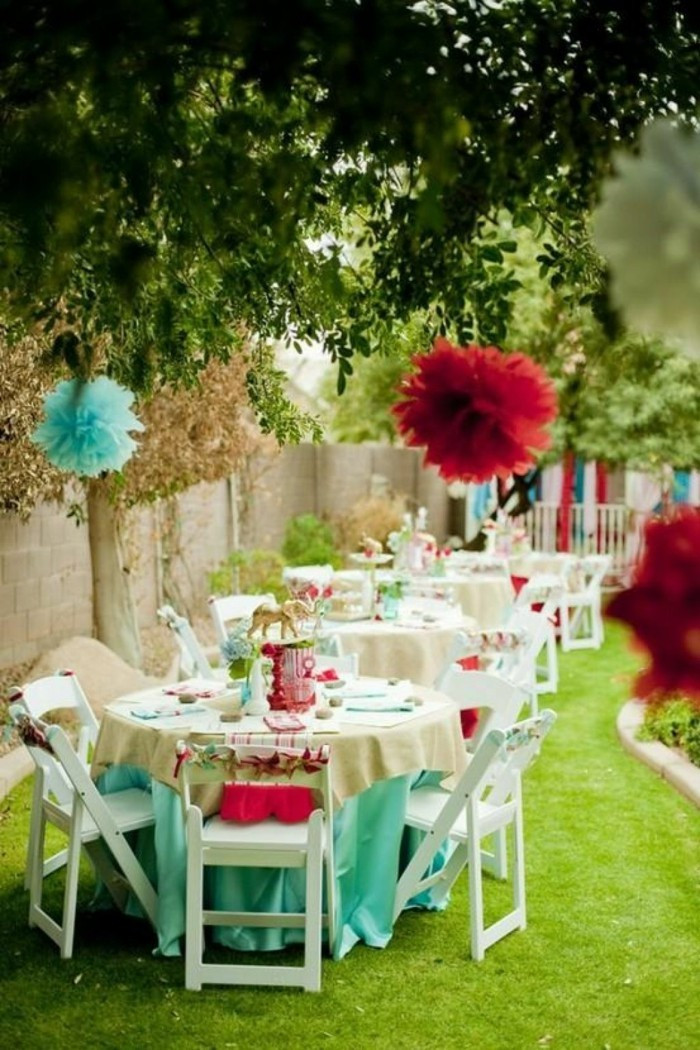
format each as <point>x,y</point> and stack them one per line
<point>256,571</point>
<point>309,541</point>
<point>676,723</point>
<point>376,516</point>
<point>692,739</point>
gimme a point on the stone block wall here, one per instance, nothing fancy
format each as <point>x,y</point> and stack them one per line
<point>45,588</point>
<point>45,575</point>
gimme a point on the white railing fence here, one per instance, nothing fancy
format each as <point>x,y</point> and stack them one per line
<point>610,530</point>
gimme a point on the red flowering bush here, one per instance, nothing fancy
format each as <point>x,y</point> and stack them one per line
<point>478,411</point>
<point>663,606</point>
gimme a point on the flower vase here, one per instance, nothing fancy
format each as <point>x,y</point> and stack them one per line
<point>239,671</point>
<point>257,703</point>
<point>298,682</point>
<point>490,542</point>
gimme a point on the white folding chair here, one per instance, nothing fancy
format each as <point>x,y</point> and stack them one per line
<point>545,590</point>
<point>93,822</point>
<point>499,703</point>
<point>487,798</point>
<point>498,700</point>
<point>266,843</point>
<point>194,662</point>
<point>581,619</point>
<point>235,607</point>
<point>58,692</point>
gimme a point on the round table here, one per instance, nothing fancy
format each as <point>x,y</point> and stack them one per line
<point>411,646</point>
<point>486,597</point>
<point>375,760</point>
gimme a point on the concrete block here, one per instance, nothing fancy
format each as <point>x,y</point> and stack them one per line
<point>29,533</point>
<point>16,566</point>
<point>40,562</point>
<point>62,620</point>
<point>8,531</point>
<point>63,557</point>
<point>50,591</point>
<point>7,599</point>
<point>28,596</point>
<point>13,629</point>
<point>54,530</point>
<point>39,624</point>
<point>23,653</point>
<point>76,585</point>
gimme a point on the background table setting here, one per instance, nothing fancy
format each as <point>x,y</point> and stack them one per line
<point>415,644</point>
<point>383,736</point>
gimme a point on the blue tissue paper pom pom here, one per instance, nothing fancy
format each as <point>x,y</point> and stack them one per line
<point>86,426</point>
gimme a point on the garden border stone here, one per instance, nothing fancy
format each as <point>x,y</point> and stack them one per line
<point>14,767</point>
<point>668,762</point>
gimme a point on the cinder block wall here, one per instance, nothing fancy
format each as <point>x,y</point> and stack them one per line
<point>46,585</point>
<point>45,593</point>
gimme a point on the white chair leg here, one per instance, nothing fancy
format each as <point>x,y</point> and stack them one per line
<point>476,898</point>
<point>70,895</point>
<point>194,924</point>
<point>314,889</point>
<point>519,866</point>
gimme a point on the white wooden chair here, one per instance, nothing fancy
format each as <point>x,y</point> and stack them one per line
<point>93,822</point>
<point>57,692</point>
<point>235,607</point>
<point>581,619</point>
<point>487,798</point>
<point>194,662</point>
<point>500,649</point>
<point>266,843</point>
<point>546,590</point>
<point>499,703</point>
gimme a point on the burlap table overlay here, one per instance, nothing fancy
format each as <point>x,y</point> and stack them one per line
<point>396,650</point>
<point>487,599</point>
<point>361,754</point>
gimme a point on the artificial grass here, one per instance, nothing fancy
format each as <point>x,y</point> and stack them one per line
<point>609,958</point>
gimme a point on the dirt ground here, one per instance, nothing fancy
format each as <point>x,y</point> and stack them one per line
<point>102,674</point>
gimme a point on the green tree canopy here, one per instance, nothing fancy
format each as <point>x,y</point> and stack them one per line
<point>180,175</point>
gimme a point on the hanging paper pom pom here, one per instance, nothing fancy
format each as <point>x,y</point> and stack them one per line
<point>86,426</point>
<point>663,606</point>
<point>477,411</point>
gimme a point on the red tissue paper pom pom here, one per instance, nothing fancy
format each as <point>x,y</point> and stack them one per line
<point>478,411</point>
<point>663,606</point>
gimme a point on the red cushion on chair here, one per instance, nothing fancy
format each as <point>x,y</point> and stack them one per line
<point>469,720</point>
<point>246,803</point>
<point>518,583</point>
<point>536,606</point>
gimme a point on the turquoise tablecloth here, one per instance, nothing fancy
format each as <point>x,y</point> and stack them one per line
<point>369,845</point>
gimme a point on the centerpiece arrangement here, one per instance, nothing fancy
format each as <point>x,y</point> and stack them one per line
<point>503,537</point>
<point>370,556</point>
<point>292,685</point>
<point>243,658</point>
<point>415,549</point>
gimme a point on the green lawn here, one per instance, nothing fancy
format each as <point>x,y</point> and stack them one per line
<point>610,957</point>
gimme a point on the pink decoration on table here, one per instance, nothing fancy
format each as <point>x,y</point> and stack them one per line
<point>293,686</point>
